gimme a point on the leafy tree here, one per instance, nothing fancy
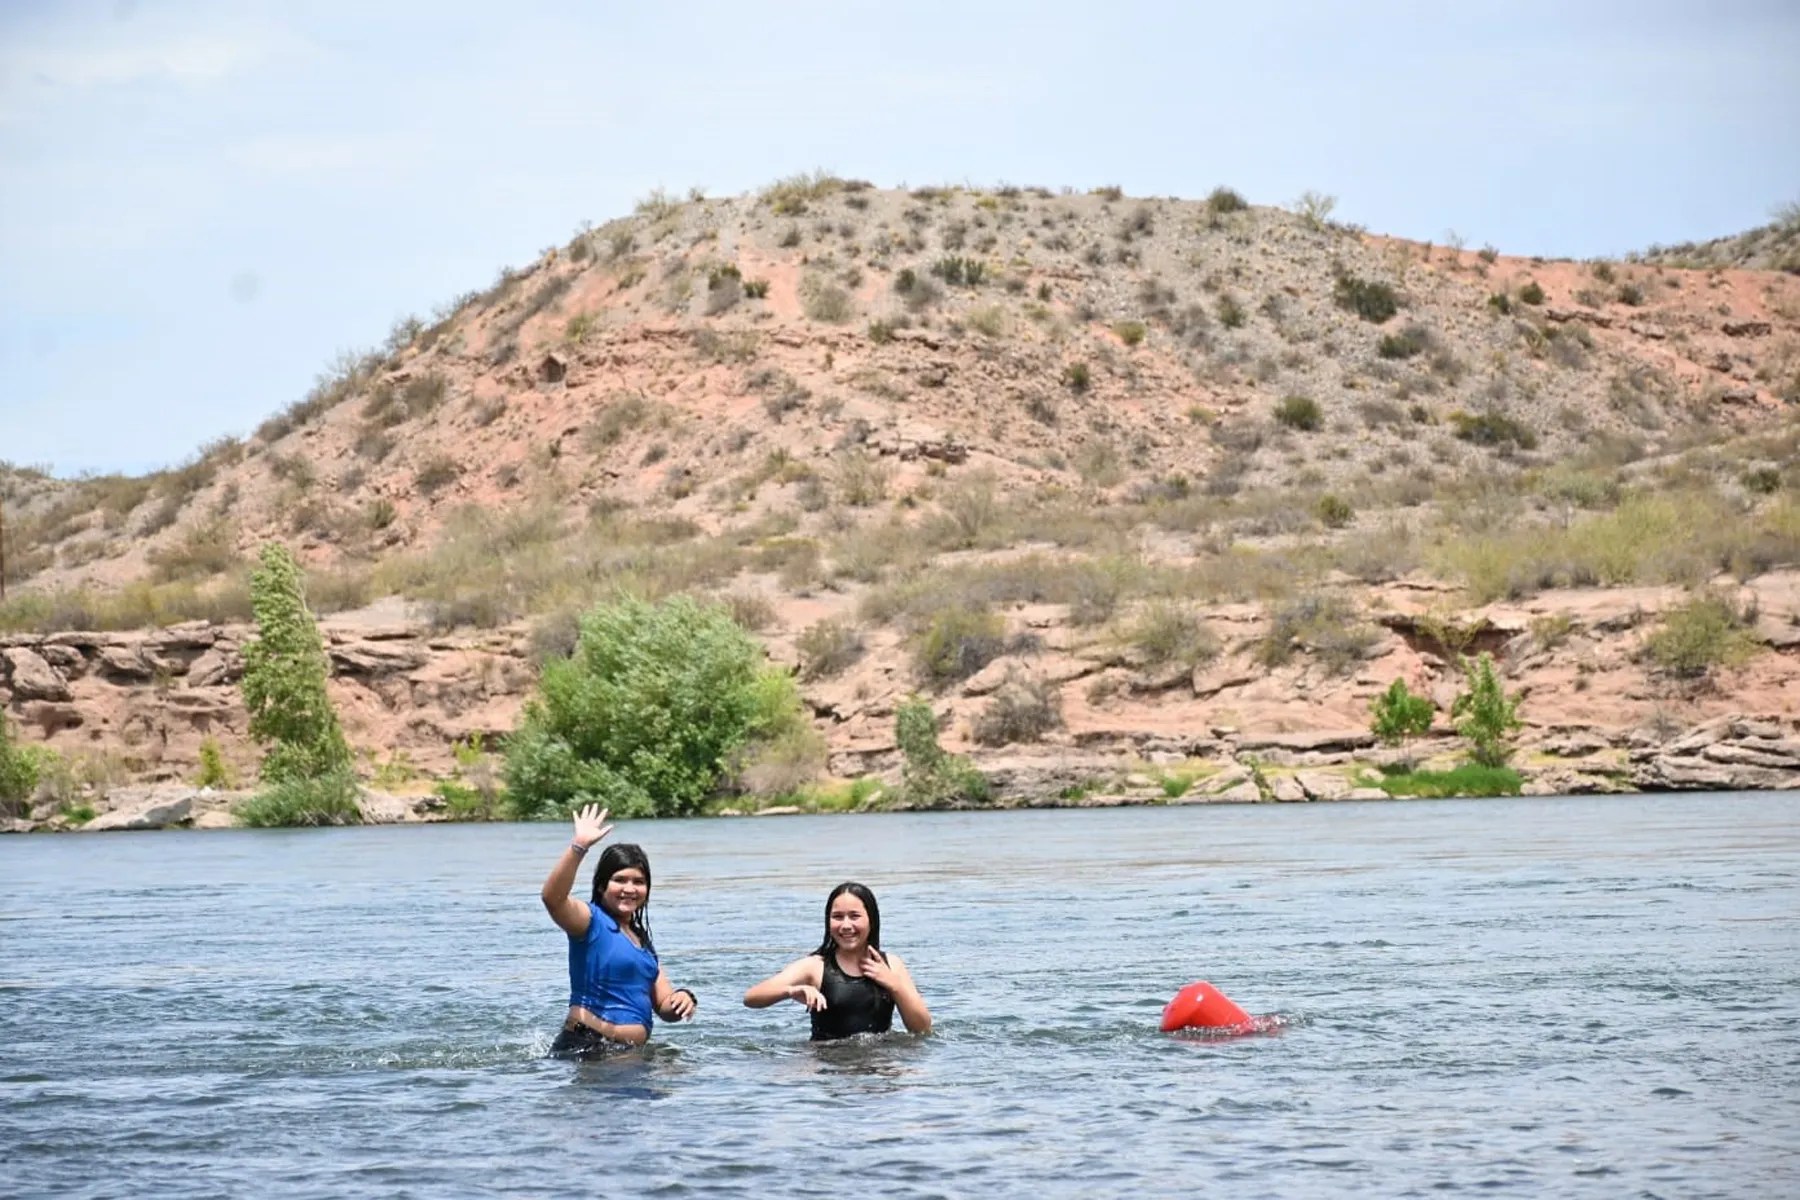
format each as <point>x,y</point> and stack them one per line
<point>18,774</point>
<point>284,679</point>
<point>647,713</point>
<point>930,777</point>
<point>1398,714</point>
<point>1484,714</point>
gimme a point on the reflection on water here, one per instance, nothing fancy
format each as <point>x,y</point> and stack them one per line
<point>1576,996</point>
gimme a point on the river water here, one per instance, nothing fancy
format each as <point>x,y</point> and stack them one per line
<point>1570,996</point>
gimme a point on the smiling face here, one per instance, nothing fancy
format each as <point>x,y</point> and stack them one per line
<point>847,921</point>
<point>626,892</point>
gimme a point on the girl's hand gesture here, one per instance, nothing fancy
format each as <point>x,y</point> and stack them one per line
<point>808,995</point>
<point>877,971</point>
<point>590,825</point>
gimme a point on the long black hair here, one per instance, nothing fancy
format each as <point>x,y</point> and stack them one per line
<point>829,946</point>
<point>620,856</point>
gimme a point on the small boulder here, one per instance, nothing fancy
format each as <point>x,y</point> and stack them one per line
<point>33,678</point>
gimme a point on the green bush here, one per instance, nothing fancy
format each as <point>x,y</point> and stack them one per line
<point>1299,412</point>
<point>1130,332</point>
<point>929,777</point>
<point>644,717</point>
<point>1372,301</point>
<point>18,775</point>
<point>1077,377</point>
<point>1531,293</point>
<point>284,679</point>
<point>1706,631</point>
<point>1484,714</point>
<point>1397,714</point>
<point>326,800</point>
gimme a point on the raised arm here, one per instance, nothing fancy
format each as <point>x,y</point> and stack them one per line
<point>799,981</point>
<point>570,914</point>
<point>897,980</point>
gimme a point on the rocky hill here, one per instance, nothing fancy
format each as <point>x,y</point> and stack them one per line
<point>1173,475</point>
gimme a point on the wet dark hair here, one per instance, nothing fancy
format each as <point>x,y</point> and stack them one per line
<point>828,946</point>
<point>621,856</point>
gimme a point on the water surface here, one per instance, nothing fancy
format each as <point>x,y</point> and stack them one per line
<point>1587,996</point>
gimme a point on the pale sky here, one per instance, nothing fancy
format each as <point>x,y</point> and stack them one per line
<point>202,203</point>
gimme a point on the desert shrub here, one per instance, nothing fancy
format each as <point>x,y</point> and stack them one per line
<point>958,271</point>
<point>1023,709</point>
<point>930,777</point>
<point>1334,511</point>
<point>1371,300</point>
<point>781,767</point>
<point>325,800</point>
<point>1167,632</point>
<point>1630,294</point>
<point>1531,293</point>
<point>1322,624</point>
<point>968,512</point>
<point>828,648</point>
<point>826,301</point>
<point>625,413</point>
<point>284,679</point>
<point>1409,342</point>
<point>1130,332</point>
<point>1231,313</point>
<point>1077,377</point>
<point>1705,631</point>
<point>1493,429</point>
<point>956,643</point>
<point>1298,412</point>
<point>205,550</point>
<point>437,473</point>
<point>1222,200</point>
<point>756,289</point>
<point>1484,714</point>
<point>989,321</point>
<point>1763,481</point>
<point>647,713</point>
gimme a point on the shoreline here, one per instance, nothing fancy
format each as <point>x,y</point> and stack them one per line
<point>1726,754</point>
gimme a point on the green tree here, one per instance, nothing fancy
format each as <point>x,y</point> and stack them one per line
<point>931,777</point>
<point>647,713</point>
<point>18,774</point>
<point>284,679</point>
<point>1484,714</point>
<point>1398,714</point>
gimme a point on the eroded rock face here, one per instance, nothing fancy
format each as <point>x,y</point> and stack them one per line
<point>31,677</point>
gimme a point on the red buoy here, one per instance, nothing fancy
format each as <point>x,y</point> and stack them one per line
<point>1200,1005</point>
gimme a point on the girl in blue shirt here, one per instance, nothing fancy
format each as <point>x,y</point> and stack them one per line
<point>616,981</point>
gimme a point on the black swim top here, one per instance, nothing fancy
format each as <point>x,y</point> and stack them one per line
<point>853,1005</point>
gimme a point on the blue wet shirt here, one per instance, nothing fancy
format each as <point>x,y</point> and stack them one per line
<point>609,975</point>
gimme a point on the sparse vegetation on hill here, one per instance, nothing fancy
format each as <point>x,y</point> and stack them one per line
<point>900,420</point>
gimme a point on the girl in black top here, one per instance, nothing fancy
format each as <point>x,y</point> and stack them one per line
<point>848,984</point>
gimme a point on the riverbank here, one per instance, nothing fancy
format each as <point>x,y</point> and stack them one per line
<point>1731,753</point>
